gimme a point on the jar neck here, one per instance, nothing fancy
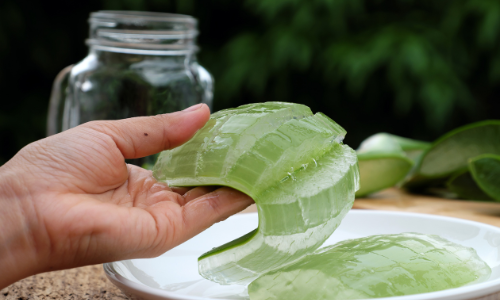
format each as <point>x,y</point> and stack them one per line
<point>183,60</point>
<point>134,51</point>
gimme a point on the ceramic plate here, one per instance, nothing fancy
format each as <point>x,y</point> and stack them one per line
<point>174,275</point>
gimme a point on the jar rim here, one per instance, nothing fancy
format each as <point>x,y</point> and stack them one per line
<point>142,32</point>
<point>143,15</point>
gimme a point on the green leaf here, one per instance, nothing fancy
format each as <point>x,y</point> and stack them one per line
<point>380,171</point>
<point>384,160</point>
<point>451,153</point>
<point>486,172</point>
<point>465,187</point>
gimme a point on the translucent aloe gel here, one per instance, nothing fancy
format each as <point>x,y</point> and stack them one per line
<point>291,162</point>
<point>374,267</point>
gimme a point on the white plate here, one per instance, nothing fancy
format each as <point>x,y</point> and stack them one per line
<point>174,275</point>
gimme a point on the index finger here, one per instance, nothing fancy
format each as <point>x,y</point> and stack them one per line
<point>142,136</point>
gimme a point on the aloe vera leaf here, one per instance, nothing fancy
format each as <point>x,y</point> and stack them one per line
<point>450,153</point>
<point>374,267</point>
<point>301,178</point>
<point>380,143</point>
<point>378,171</point>
<point>464,186</point>
<point>221,140</point>
<point>295,217</point>
<point>385,142</point>
<point>383,162</point>
<point>410,144</point>
<point>486,172</point>
<point>269,158</point>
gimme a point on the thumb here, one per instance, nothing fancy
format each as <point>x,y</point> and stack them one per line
<point>143,136</point>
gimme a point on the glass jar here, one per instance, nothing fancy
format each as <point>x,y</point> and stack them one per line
<point>139,63</point>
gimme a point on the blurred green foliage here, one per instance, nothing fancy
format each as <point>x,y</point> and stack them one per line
<point>412,68</point>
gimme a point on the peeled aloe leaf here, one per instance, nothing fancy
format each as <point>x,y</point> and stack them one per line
<point>450,153</point>
<point>486,172</point>
<point>374,267</point>
<point>380,171</point>
<point>383,161</point>
<point>465,187</point>
<point>412,148</point>
<point>292,163</point>
<point>385,142</point>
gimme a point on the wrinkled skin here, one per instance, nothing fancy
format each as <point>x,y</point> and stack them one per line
<point>71,200</point>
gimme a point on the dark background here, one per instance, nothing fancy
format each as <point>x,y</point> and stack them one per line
<point>412,68</point>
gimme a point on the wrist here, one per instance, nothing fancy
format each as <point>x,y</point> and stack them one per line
<point>18,251</point>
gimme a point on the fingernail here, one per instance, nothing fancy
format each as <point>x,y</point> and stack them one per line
<point>194,107</point>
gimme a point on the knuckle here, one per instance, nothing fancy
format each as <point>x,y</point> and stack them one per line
<point>95,125</point>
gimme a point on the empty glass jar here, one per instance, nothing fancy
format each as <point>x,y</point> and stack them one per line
<point>139,63</point>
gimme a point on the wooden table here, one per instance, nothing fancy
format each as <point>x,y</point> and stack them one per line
<point>91,283</point>
<point>396,200</point>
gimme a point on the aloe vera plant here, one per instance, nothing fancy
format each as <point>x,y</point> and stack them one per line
<point>374,267</point>
<point>291,162</point>
<point>384,160</point>
<point>464,186</point>
<point>450,153</point>
<point>486,172</point>
<point>390,143</point>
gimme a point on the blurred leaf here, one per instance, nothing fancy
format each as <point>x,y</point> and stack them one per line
<point>486,172</point>
<point>464,186</point>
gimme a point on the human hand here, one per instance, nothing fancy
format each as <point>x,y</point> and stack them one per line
<point>71,200</point>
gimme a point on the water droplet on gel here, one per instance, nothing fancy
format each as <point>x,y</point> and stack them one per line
<point>315,163</point>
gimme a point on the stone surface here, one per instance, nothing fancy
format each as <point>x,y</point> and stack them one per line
<point>88,282</point>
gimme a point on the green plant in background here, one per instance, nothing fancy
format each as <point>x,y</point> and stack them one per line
<point>413,68</point>
<point>485,170</point>
<point>416,50</point>
<point>480,181</point>
<point>384,160</point>
<point>466,161</point>
<point>451,154</point>
<point>464,185</point>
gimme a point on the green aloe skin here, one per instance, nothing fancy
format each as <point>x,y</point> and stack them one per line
<point>291,162</point>
<point>464,186</point>
<point>450,154</point>
<point>485,170</point>
<point>384,160</point>
<point>374,267</point>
